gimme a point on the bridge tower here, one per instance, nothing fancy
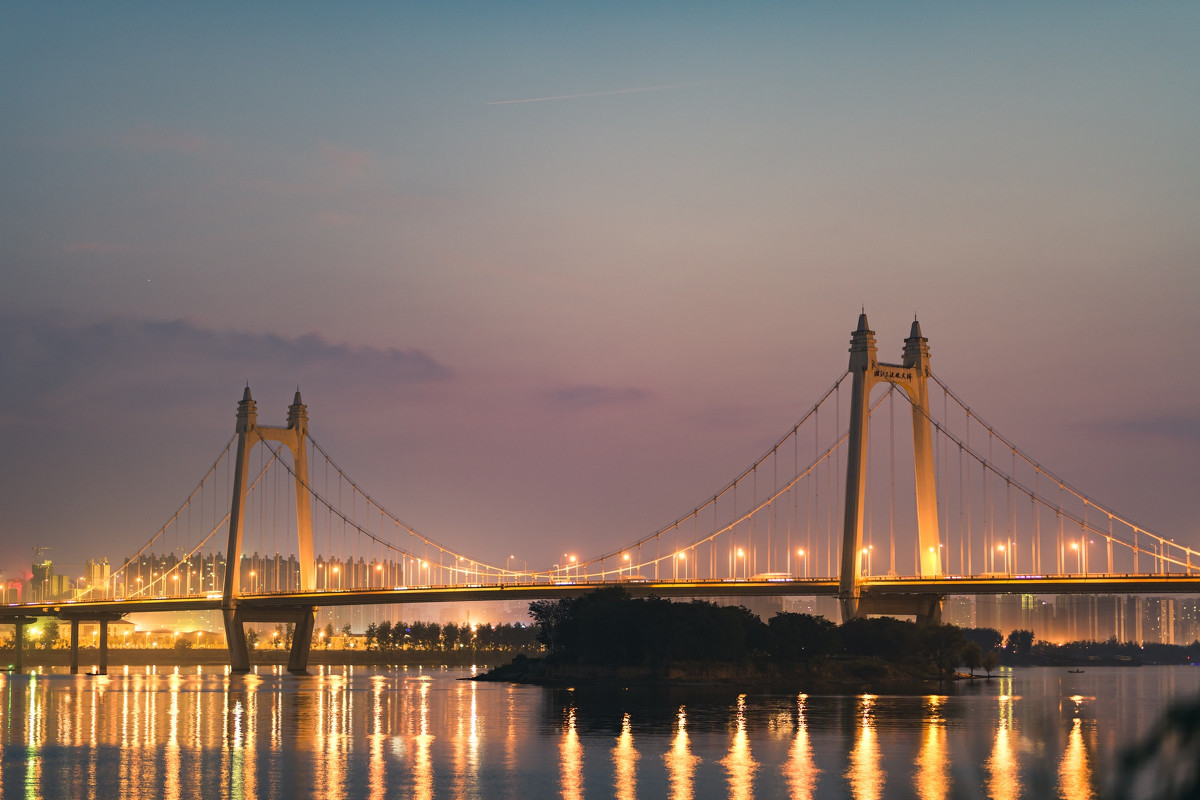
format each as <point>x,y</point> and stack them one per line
<point>911,376</point>
<point>294,437</point>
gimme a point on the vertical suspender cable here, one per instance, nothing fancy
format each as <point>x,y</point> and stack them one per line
<point>892,487</point>
<point>970,555</point>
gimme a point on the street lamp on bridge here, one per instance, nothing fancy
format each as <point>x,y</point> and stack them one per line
<point>800,555</point>
<point>938,554</point>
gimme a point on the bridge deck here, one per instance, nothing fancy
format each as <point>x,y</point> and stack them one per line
<point>1176,583</point>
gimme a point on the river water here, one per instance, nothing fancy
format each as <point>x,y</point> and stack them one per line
<point>422,733</point>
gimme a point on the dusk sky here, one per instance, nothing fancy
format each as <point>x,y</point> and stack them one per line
<point>549,275</point>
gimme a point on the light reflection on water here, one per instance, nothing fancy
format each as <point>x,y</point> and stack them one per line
<point>680,761</point>
<point>381,733</point>
<point>739,763</point>
<point>1074,774</point>
<point>800,770</point>
<point>571,758</point>
<point>865,773</point>
<point>625,757</point>
<point>933,762</point>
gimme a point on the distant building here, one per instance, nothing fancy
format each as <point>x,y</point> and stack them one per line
<point>45,586</point>
<point>1187,620</point>
<point>13,591</point>
<point>959,611</point>
<point>96,575</point>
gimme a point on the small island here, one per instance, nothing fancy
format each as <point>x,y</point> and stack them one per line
<point>609,637</point>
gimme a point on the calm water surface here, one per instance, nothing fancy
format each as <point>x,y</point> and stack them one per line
<point>411,733</point>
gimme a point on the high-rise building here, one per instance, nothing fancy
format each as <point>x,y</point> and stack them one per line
<point>45,586</point>
<point>1187,620</point>
<point>95,579</point>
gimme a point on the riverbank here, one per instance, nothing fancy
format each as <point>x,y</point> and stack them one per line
<point>141,657</point>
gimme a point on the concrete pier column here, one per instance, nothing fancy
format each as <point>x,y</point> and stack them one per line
<point>74,647</point>
<point>103,668</point>
<point>235,640</point>
<point>302,642</point>
<point>18,644</point>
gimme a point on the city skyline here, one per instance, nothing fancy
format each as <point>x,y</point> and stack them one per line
<point>547,278</point>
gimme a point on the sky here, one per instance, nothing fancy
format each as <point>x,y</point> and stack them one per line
<point>548,275</point>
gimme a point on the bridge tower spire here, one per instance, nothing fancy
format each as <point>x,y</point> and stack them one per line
<point>294,437</point>
<point>911,376</point>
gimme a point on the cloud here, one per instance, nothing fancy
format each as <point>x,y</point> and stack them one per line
<point>50,362</point>
<point>1183,426</point>
<point>589,396</point>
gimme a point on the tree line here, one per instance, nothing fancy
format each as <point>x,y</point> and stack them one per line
<point>505,637</point>
<point>608,627</point>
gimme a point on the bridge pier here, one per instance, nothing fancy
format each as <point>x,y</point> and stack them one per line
<point>102,621</point>
<point>102,668</point>
<point>302,617</point>
<point>19,624</point>
<point>74,646</point>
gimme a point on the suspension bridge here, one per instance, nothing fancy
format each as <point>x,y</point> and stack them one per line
<point>839,506</point>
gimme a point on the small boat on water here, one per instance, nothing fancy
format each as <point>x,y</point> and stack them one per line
<point>1075,671</point>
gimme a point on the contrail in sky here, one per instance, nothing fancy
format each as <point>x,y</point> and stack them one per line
<point>594,94</point>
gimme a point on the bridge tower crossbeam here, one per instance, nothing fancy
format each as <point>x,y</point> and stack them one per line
<point>911,376</point>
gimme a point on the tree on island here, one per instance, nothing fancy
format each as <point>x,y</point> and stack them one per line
<point>795,637</point>
<point>608,628</point>
<point>944,645</point>
<point>986,638</point>
<point>1020,642</point>
<point>990,659</point>
<point>973,657</point>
